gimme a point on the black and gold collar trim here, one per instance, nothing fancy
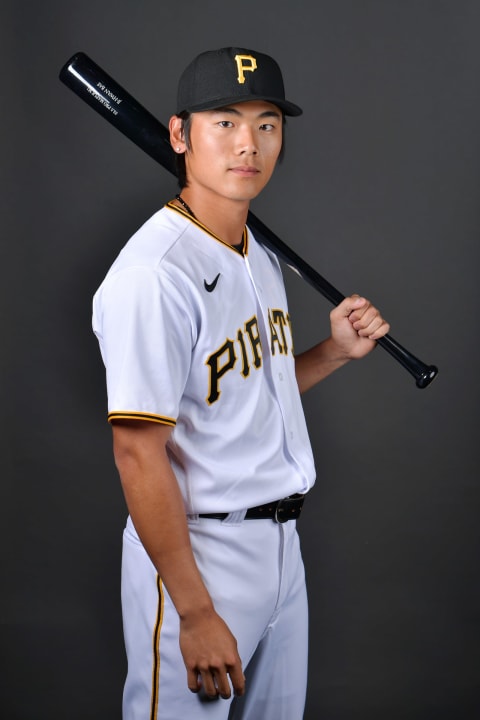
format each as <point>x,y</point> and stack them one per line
<point>182,211</point>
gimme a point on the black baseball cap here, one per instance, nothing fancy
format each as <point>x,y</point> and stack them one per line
<point>231,75</point>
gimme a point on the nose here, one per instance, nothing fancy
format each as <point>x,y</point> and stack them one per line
<point>247,144</point>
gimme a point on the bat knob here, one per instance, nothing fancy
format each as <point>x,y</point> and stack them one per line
<point>426,376</point>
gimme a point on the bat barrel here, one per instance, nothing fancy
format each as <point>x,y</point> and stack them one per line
<point>92,84</point>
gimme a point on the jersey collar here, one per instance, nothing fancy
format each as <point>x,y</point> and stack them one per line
<point>181,211</point>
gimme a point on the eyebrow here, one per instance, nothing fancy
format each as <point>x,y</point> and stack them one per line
<point>233,111</point>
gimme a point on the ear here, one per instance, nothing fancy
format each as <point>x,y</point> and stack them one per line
<point>177,141</point>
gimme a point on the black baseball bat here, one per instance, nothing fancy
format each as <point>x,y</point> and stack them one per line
<point>91,83</point>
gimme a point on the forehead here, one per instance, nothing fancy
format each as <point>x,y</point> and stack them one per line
<point>255,108</point>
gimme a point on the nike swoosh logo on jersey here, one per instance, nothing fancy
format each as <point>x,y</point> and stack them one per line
<point>210,287</point>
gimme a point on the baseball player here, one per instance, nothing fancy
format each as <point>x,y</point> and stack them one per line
<point>209,434</point>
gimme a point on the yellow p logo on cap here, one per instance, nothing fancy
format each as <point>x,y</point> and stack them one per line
<point>245,63</point>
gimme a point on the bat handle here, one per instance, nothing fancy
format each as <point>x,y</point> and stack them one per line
<point>423,374</point>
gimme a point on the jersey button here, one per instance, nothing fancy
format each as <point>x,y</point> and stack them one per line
<point>280,376</point>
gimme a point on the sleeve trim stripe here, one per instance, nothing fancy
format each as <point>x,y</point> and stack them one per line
<point>131,415</point>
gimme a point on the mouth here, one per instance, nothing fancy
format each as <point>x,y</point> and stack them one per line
<point>245,171</point>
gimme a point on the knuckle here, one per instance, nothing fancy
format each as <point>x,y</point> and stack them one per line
<point>215,664</point>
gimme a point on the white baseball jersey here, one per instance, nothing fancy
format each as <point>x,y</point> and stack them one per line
<point>197,335</point>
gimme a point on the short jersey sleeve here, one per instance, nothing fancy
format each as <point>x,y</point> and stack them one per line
<point>146,338</point>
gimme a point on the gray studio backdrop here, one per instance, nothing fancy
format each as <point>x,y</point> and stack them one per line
<point>379,190</point>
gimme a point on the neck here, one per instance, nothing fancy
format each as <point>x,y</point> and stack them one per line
<point>226,218</point>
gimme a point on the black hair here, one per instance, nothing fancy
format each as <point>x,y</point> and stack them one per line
<point>181,170</point>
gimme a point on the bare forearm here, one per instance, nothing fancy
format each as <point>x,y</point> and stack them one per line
<point>156,507</point>
<point>313,365</point>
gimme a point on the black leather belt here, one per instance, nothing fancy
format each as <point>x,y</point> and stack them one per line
<point>280,510</point>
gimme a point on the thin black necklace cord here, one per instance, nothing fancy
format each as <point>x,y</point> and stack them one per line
<point>238,248</point>
<point>184,204</point>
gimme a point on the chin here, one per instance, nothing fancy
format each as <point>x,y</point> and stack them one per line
<point>246,193</point>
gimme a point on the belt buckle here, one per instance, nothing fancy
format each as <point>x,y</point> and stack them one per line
<point>296,501</point>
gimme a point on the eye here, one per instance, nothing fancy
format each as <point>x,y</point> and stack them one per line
<point>267,127</point>
<point>225,123</point>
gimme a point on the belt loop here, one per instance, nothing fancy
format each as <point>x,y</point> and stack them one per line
<point>235,518</point>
